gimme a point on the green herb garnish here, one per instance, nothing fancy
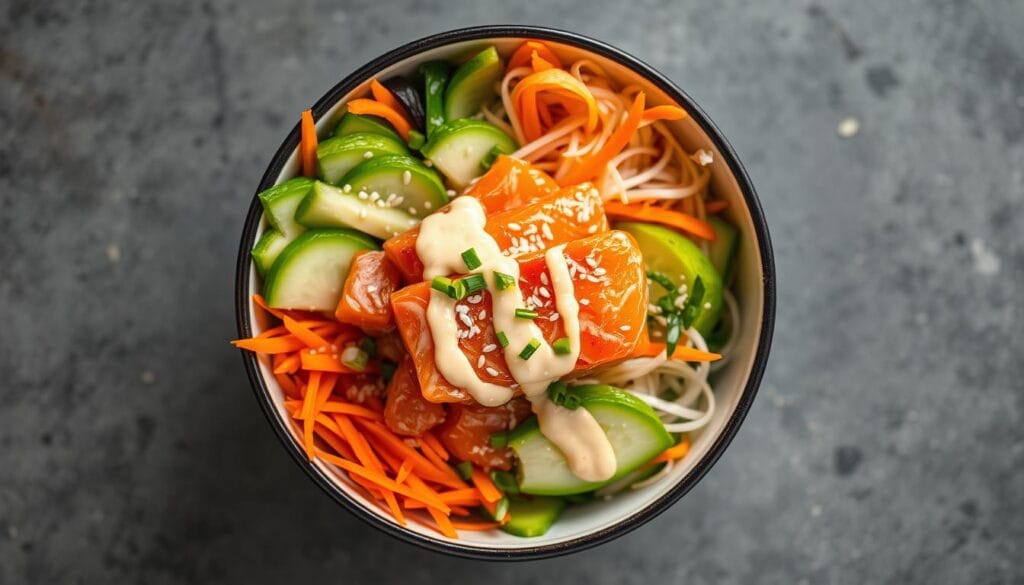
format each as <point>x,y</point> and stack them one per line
<point>354,358</point>
<point>502,338</point>
<point>560,394</point>
<point>503,281</point>
<point>455,289</point>
<point>530,348</point>
<point>471,259</point>
<point>464,469</point>
<point>369,346</point>
<point>474,283</point>
<point>526,314</point>
<point>562,346</point>
<point>505,482</point>
<point>499,440</point>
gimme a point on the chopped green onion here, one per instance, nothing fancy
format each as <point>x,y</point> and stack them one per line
<point>464,469</point>
<point>471,259</point>
<point>672,335</point>
<point>560,394</point>
<point>526,314</point>
<point>369,346</point>
<point>694,303</point>
<point>505,482</point>
<point>474,283</point>
<point>562,347</point>
<point>454,289</point>
<point>499,440</point>
<point>661,279</point>
<point>354,358</point>
<point>529,349</point>
<point>416,139</point>
<point>504,281</point>
<point>502,338</point>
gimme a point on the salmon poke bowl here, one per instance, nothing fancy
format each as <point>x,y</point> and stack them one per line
<point>505,292</point>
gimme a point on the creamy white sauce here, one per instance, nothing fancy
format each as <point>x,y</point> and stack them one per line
<point>442,239</point>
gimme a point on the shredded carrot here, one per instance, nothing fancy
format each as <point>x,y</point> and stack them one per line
<point>444,524</point>
<point>287,384</point>
<point>674,452</point>
<point>332,437</point>
<point>664,113</point>
<point>384,95</point>
<point>465,495</point>
<point>322,362</point>
<point>682,352</point>
<point>404,471</point>
<point>675,219</point>
<point>434,445</point>
<point>434,458</point>
<point>489,492</point>
<point>304,333</point>
<point>459,510</point>
<point>383,481</point>
<point>570,92</point>
<point>351,409</point>
<point>273,332</point>
<point>307,144</point>
<point>308,415</point>
<point>270,345</point>
<point>396,511</point>
<point>523,55</point>
<point>475,525</point>
<point>327,382</point>
<point>289,364</point>
<point>594,164</point>
<point>540,63</point>
<point>374,108</point>
<point>421,465</point>
<point>716,206</point>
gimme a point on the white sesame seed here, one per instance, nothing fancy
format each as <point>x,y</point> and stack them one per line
<point>544,278</point>
<point>461,309</point>
<point>553,317</point>
<point>406,177</point>
<point>600,271</point>
<point>380,203</point>
<point>490,347</point>
<point>427,205</point>
<point>427,163</point>
<point>465,319</point>
<point>547,231</point>
<point>374,196</point>
<point>412,210</point>
<point>482,315</point>
<point>371,288</point>
<point>450,192</point>
<point>625,328</point>
<point>592,229</point>
<point>364,195</point>
<point>707,305</point>
<point>584,302</point>
<point>480,361</point>
<point>491,371</point>
<point>346,188</point>
<point>544,292</point>
<point>591,261</point>
<point>362,213</point>
<point>514,227</point>
<point>367,154</point>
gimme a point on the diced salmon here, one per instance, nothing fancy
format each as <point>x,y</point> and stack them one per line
<point>364,300</point>
<point>466,433</point>
<point>569,214</point>
<point>406,412</point>
<point>511,183</point>
<point>610,284</point>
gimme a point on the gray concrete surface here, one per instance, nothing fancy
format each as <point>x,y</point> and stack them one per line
<point>886,444</point>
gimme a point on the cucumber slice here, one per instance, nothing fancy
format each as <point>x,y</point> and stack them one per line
<point>357,123</point>
<point>335,157</point>
<point>267,249</point>
<point>673,254</point>
<point>310,272</point>
<point>533,516</point>
<point>332,207</point>
<point>417,189</point>
<point>722,251</point>
<point>634,430</point>
<point>472,83</point>
<point>435,80</point>
<point>459,148</point>
<point>279,203</point>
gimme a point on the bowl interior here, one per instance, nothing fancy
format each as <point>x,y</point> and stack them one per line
<point>729,382</point>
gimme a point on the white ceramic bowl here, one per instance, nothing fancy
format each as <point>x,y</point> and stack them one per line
<point>735,385</point>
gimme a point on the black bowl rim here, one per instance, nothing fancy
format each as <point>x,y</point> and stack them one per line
<point>760,229</point>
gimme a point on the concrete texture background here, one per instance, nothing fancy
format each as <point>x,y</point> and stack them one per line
<point>886,444</point>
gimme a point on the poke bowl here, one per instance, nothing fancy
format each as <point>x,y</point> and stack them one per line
<point>505,292</point>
